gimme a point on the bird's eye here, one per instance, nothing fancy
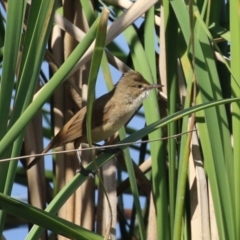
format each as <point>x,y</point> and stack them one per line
<point>139,86</point>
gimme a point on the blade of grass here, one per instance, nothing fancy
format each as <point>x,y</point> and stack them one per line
<point>44,219</point>
<point>94,68</point>
<point>235,61</point>
<point>11,48</point>
<point>171,33</point>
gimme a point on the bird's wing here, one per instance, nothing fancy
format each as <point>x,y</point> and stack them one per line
<point>76,126</point>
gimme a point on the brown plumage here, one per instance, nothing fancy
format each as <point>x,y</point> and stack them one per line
<point>110,112</point>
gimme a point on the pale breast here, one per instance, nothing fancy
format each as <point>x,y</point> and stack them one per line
<point>120,118</point>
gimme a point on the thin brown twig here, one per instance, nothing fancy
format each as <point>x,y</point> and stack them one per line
<point>96,147</point>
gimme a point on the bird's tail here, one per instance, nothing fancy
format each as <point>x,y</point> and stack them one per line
<point>51,145</point>
<point>36,159</point>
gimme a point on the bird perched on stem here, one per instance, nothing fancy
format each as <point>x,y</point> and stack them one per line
<point>110,112</point>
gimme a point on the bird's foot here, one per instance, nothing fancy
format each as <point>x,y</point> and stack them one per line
<point>83,170</point>
<point>113,150</point>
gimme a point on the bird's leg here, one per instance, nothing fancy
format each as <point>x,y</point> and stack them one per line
<point>83,170</point>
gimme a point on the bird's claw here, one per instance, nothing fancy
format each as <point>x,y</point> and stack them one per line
<point>115,150</point>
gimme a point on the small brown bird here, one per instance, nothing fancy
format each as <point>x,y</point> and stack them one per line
<point>110,112</point>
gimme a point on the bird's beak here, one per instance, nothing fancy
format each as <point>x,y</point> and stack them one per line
<point>154,86</point>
